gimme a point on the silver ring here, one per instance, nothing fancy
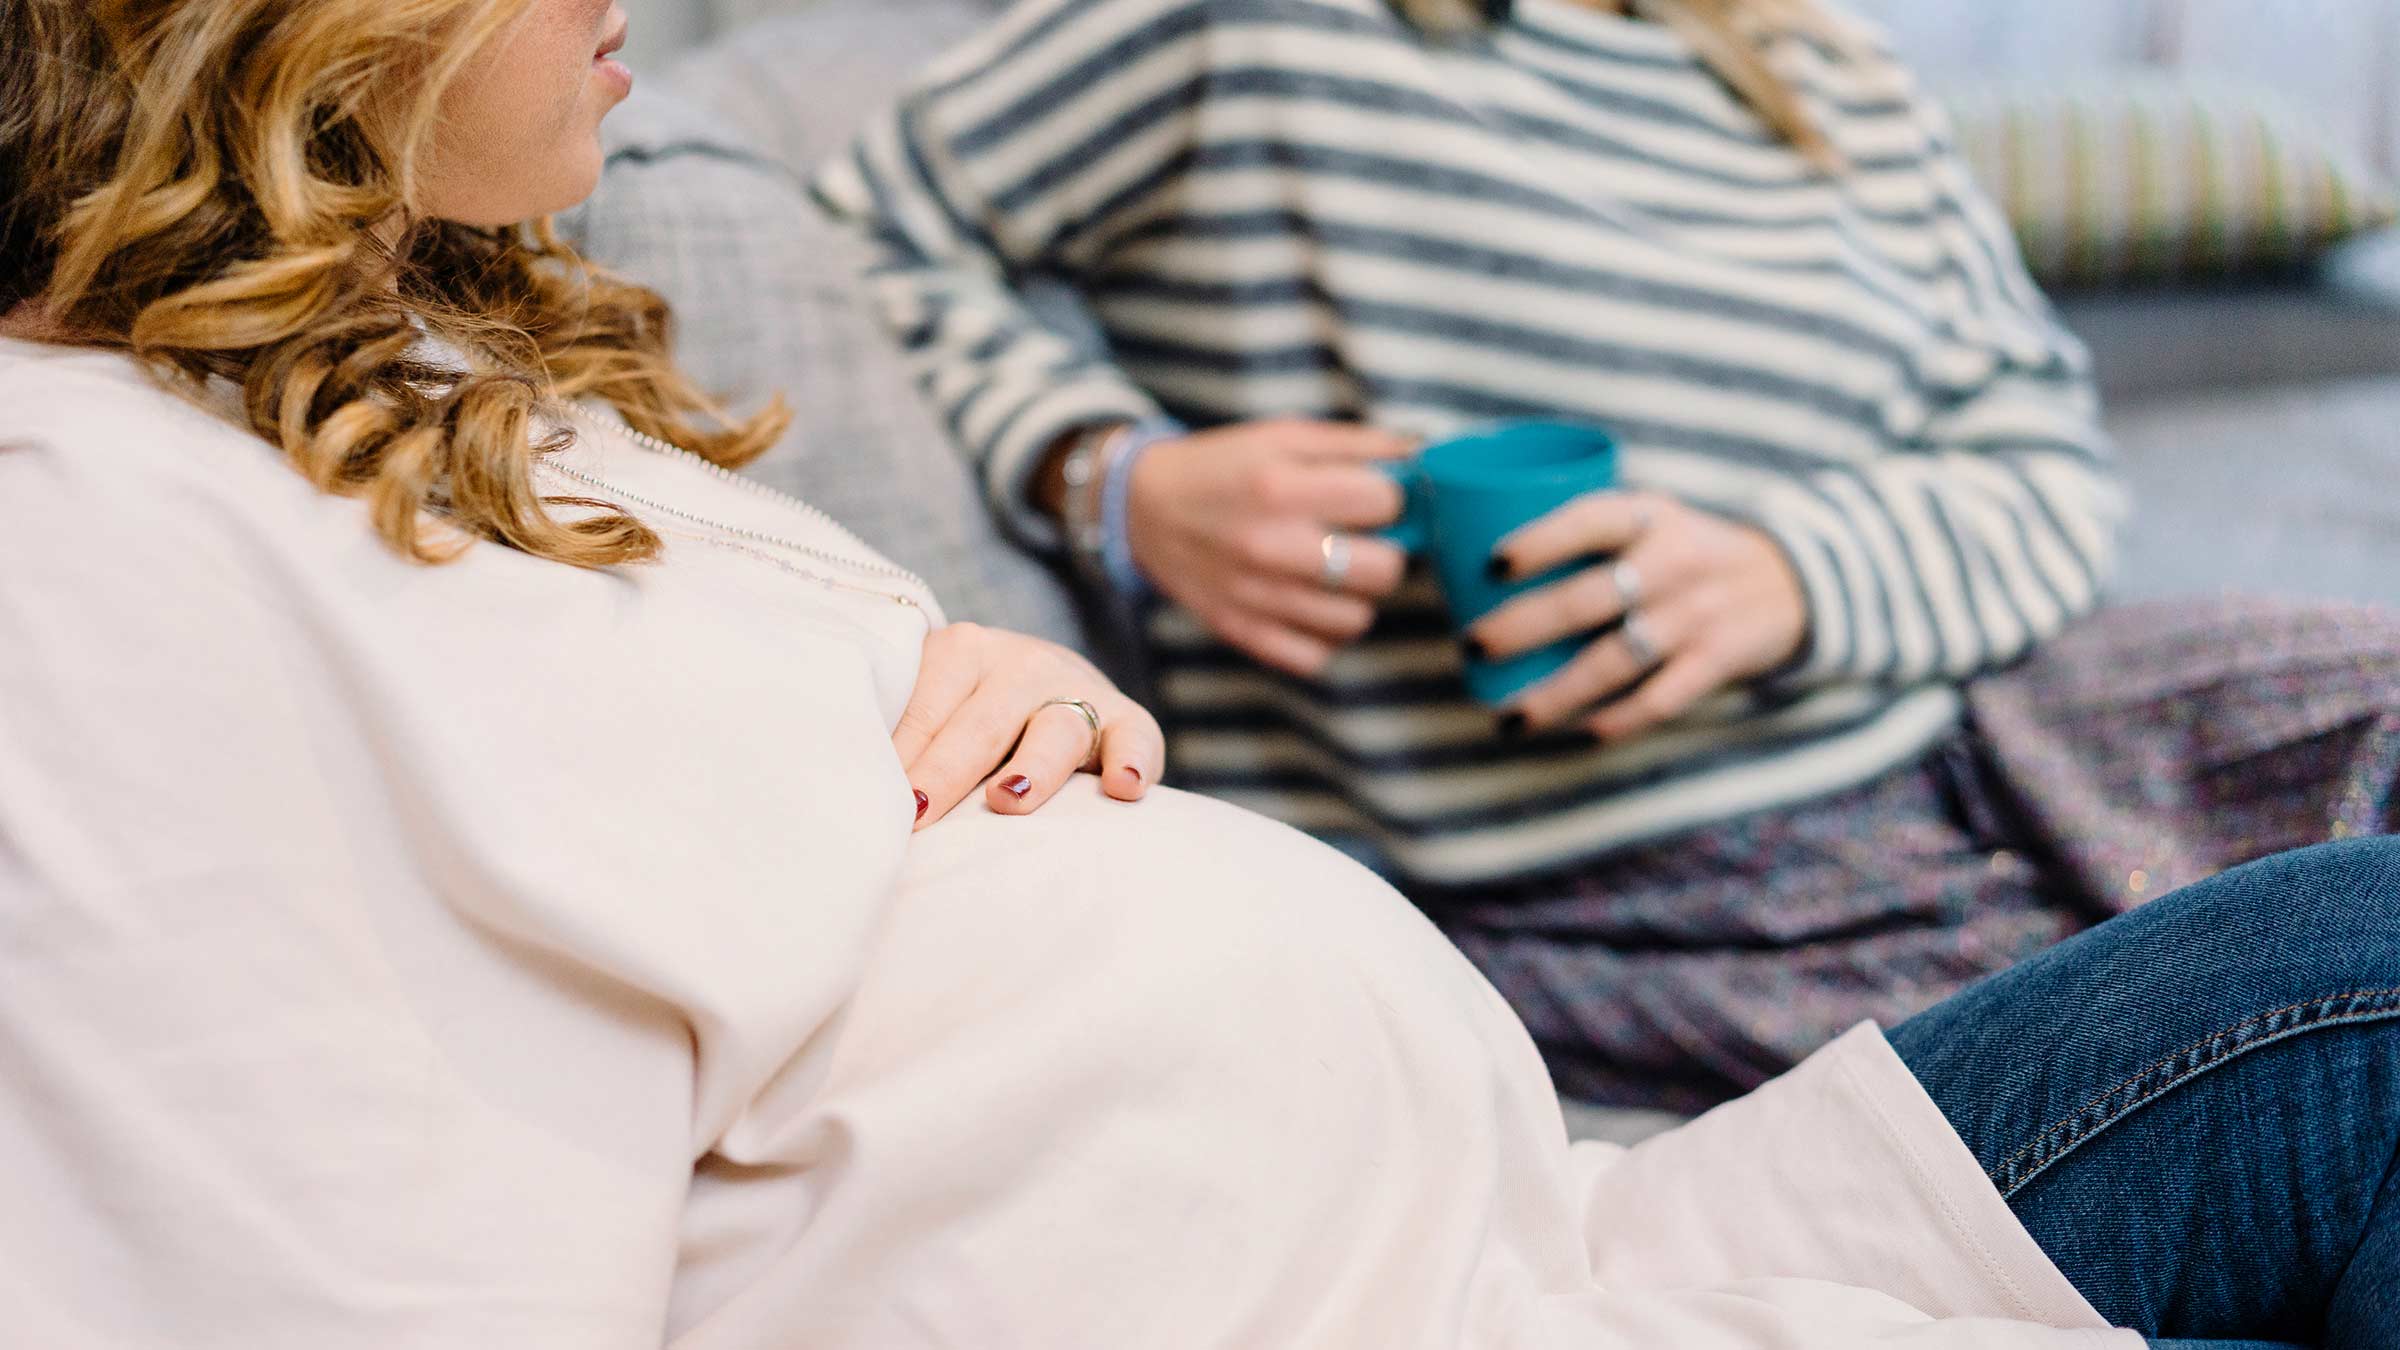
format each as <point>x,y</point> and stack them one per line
<point>1628,582</point>
<point>1090,715</point>
<point>1338,550</point>
<point>1640,642</point>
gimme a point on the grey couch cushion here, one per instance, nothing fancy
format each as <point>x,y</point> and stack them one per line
<point>2165,343</point>
<point>800,85</point>
<point>767,298</point>
<point>2337,320</point>
<point>2287,490</point>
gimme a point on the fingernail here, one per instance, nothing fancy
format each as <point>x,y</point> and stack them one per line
<point>1514,725</point>
<point>1497,569</point>
<point>1476,651</point>
<point>1019,787</point>
<point>924,804</point>
<point>1133,773</point>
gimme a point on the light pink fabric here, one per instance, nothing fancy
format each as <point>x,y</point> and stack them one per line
<point>505,955</point>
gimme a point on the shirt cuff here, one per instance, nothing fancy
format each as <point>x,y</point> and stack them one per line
<point>1014,456</point>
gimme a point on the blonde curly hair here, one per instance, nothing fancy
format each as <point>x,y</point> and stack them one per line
<point>224,189</point>
<point>1730,35</point>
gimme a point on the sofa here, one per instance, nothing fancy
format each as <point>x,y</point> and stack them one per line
<point>2257,417</point>
<point>2260,420</point>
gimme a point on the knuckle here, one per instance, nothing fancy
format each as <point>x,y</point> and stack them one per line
<point>1262,483</point>
<point>1255,548</point>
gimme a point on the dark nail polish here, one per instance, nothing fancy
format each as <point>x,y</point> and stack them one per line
<point>1498,569</point>
<point>924,804</point>
<point>1514,726</point>
<point>1019,787</point>
<point>1476,651</point>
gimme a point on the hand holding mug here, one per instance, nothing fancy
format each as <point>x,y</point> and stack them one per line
<point>1707,604</point>
<point>1265,532</point>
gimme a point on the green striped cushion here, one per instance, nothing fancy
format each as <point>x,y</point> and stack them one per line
<point>2142,176</point>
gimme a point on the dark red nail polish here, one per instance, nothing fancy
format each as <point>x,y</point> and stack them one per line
<point>1514,726</point>
<point>1018,787</point>
<point>924,804</point>
<point>1476,651</point>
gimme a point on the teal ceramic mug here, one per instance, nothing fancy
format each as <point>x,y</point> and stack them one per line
<point>1467,494</point>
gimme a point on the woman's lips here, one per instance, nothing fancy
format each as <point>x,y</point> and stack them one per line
<point>615,72</point>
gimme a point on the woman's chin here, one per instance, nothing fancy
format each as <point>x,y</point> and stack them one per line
<point>575,176</point>
<point>570,200</point>
<point>562,189</point>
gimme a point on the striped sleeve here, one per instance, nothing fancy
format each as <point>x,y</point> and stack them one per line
<point>989,167</point>
<point>1994,523</point>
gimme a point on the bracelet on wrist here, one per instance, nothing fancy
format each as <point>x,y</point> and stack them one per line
<point>1079,510</point>
<point>1120,456</point>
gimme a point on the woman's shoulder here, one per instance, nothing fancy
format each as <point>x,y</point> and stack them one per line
<point>101,459</point>
<point>83,412</point>
<point>84,408</point>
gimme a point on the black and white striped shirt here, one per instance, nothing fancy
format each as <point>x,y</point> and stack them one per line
<point>1279,207</point>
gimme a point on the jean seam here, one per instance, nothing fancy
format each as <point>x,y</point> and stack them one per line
<point>2062,1137</point>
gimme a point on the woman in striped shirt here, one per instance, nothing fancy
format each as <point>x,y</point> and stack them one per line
<point>1862,462</point>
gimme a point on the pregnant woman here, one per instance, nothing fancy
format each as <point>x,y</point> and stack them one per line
<point>1781,790</point>
<point>461,883</point>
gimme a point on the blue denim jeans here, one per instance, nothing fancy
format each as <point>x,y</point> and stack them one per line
<point>2195,1108</point>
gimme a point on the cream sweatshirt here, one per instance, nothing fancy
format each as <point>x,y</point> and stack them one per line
<point>506,955</point>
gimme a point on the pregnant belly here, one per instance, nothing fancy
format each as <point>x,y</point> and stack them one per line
<point>1154,1075</point>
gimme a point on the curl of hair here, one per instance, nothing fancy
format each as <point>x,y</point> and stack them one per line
<point>224,189</point>
<point>1730,35</point>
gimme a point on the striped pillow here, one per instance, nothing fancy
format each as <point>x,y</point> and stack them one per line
<point>2148,177</point>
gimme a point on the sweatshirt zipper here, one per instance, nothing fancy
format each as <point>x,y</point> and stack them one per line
<point>812,514</point>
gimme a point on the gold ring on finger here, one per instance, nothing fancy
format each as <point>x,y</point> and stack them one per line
<point>1090,715</point>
